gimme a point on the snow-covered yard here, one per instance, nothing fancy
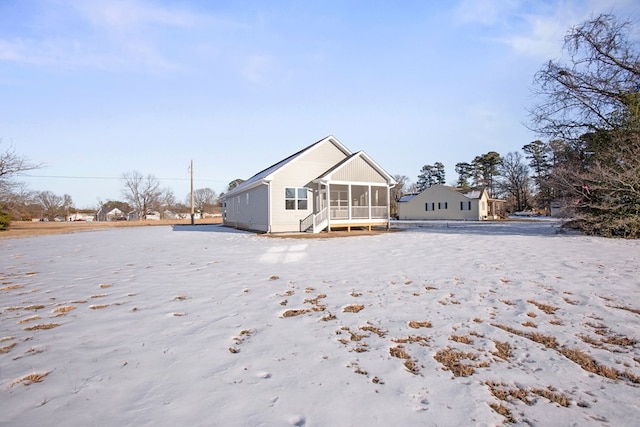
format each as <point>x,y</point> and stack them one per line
<point>444,324</point>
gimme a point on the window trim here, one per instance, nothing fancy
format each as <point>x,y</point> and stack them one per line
<point>297,200</point>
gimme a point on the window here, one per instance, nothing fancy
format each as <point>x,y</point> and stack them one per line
<point>430,206</point>
<point>295,198</point>
<point>442,205</point>
<point>247,201</point>
<point>465,206</point>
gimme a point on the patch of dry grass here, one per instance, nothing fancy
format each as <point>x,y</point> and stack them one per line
<point>409,364</point>
<point>463,339</point>
<point>30,379</point>
<point>328,317</point>
<point>417,325</point>
<point>550,394</point>
<point>64,309</point>
<point>451,360</point>
<point>506,393</point>
<point>503,350</point>
<point>399,352</point>
<point>33,307</point>
<point>295,312</point>
<point>587,363</point>
<point>529,324</point>
<point>548,341</point>
<point>42,326</point>
<point>354,308</point>
<point>420,340</point>
<point>98,306</point>
<point>29,319</point>
<point>5,349</point>
<point>627,308</point>
<point>11,287</point>
<point>504,411</point>
<point>548,309</point>
<point>369,328</point>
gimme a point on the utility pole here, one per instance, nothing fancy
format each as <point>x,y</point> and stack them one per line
<point>192,207</point>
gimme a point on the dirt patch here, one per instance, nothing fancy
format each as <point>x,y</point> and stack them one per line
<point>30,228</point>
<point>330,234</point>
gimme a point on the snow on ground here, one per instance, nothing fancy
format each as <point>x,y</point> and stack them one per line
<point>444,324</point>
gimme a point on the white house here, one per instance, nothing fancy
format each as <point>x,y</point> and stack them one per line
<point>442,202</point>
<point>321,187</point>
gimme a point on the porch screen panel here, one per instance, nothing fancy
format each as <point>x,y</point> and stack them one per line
<point>379,208</point>
<point>339,202</point>
<point>360,201</point>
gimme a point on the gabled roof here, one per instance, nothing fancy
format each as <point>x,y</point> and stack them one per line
<point>407,197</point>
<point>266,174</point>
<point>473,193</point>
<point>363,156</point>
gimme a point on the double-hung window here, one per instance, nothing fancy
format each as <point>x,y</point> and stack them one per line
<point>295,198</point>
<point>442,205</point>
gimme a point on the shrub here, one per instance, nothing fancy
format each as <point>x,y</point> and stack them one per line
<point>5,220</point>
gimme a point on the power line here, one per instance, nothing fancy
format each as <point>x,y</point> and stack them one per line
<point>115,178</point>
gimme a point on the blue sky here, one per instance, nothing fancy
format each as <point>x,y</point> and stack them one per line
<point>93,89</point>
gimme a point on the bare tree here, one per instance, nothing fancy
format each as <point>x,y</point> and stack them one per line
<point>51,203</point>
<point>166,200</point>
<point>397,191</point>
<point>599,82</point>
<point>203,199</point>
<point>515,181</point>
<point>591,105</point>
<point>12,164</point>
<point>142,193</point>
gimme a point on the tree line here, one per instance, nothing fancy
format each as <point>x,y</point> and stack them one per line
<point>141,194</point>
<point>589,113</point>
<point>587,159</point>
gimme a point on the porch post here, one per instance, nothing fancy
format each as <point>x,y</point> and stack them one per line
<point>349,202</point>
<point>328,186</point>
<point>369,201</point>
<point>388,207</point>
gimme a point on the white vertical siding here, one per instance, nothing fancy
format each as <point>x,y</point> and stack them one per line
<point>438,194</point>
<point>358,170</point>
<point>300,173</point>
<point>248,209</point>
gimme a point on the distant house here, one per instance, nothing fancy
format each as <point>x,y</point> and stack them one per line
<point>80,216</point>
<point>442,202</point>
<point>136,215</point>
<point>110,215</point>
<point>321,187</point>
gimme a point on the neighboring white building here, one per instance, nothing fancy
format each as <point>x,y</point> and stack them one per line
<point>135,215</point>
<point>324,185</point>
<point>442,202</point>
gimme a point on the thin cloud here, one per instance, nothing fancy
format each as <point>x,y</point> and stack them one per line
<point>117,36</point>
<point>535,30</point>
